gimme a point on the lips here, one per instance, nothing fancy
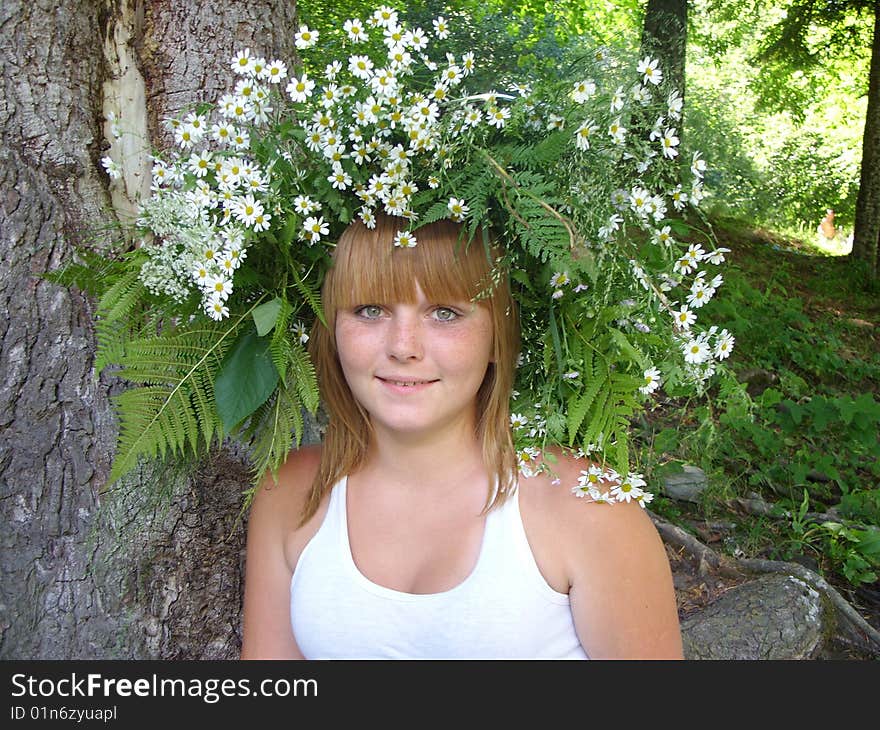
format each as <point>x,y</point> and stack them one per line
<point>405,382</point>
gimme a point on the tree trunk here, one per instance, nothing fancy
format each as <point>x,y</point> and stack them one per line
<point>153,567</point>
<point>867,225</point>
<point>664,36</point>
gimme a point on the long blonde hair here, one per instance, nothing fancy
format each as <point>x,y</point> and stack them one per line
<point>368,269</point>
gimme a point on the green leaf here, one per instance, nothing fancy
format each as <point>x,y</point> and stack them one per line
<point>246,380</point>
<point>666,441</point>
<point>266,315</point>
<point>627,348</point>
<point>289,230</point>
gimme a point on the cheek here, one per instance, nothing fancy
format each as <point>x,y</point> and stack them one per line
<point>352,347</point>
<point>471,351</point>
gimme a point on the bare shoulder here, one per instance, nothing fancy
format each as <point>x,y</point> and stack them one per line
<point>278,504</point>
<point>620,583</point>
<point>274,543</point>
<point>554,495</point>
<point>294,480</point>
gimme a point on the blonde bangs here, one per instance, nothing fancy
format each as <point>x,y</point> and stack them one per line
<point>367,270</point>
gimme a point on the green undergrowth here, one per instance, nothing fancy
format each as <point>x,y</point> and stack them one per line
<point>794,422</point>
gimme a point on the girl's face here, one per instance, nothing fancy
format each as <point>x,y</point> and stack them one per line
<point>415,368</point>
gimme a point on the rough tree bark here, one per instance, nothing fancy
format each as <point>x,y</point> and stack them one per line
<point>866,238</point>
<point>87,572</point>
<point>664,36</point>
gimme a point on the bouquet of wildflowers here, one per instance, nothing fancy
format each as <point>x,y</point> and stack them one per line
<point>581,178</point>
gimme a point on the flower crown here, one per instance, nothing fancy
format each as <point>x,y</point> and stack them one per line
<point>580,176</point>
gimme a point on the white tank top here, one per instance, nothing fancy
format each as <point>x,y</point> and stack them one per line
<point>503,610</point>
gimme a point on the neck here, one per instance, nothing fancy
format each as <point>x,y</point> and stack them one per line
<point>426,462</point>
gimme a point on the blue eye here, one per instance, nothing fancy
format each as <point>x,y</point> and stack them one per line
<point>445,314</point>
<point>369,311</point>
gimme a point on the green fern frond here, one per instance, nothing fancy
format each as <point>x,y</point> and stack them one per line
<point>173,408</point>
<point>92,275</point>
<point>599,416</point>
<point>276,426</point>
<point>582,403</point>
<point>309,294</point>
<point>304,377</point>
<point>114,318</point>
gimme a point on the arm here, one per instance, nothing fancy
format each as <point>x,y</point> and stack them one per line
<point>271,555</point>
<point>622,597</point>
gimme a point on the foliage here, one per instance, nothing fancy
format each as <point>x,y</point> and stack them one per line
<point>208,316</point>
<point>800,430</point>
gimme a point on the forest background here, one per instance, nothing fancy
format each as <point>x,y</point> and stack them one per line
<point>781,98</point>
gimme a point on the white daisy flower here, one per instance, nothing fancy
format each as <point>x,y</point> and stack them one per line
<point>262,221</point>
<point>457,209</point>
<point>300,89</point>
<point>247,209</point>
<point>361,67</point>
<point>648,68</point>
<point>616,131</point>
<point>301,333</point>
<point>275,72</point>
<point>416,40</point>
<point>684,317</point>
<point>663,236</point>
<point>679,198</point>
<point>304,205</point>
<point>617,100</point>
<point>219,287</point>
<point>355,30</point>
<point>518,421</point>
<point>724,344</point>
<point>405,239</point>
<point>669,143</point>
<point>700,294</point>
<point>314,228</point>
<point>717,256</point>
<point>583,91</point>
<point>652,381</point>
<point>200,274</point>
<point>441,27</point>
<point>498,117</point>
<point>242,63</point>
<point>583,133</point>
<point>339,178</point>
<point>305,37</point>
<point>467,63</point>
<point>526,459</point>
<point>698,165</point>
<point>559,279</point>
<point>216,308</point>
<point>199,163</point>
<point>696,351</point>
<point>385,17</point>
<point>368,218</point>
<point>111,167</point>
<point>674,104</point>
<point>629,488</point>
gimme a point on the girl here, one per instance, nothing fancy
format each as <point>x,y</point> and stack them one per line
<point>407,534</point>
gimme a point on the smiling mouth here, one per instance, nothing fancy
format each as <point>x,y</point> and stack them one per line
<point>407,383</point>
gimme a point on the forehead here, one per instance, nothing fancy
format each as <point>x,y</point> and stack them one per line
<point>444,267</point>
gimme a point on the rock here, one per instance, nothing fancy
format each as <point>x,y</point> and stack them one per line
<point>775,616</point>
<point>686,485</point>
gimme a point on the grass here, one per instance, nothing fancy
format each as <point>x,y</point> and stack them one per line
<point>795,420</point>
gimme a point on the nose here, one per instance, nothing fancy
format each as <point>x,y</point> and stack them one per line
<point>404,340</point>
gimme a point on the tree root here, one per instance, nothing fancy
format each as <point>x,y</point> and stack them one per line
<point>852,628</point>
